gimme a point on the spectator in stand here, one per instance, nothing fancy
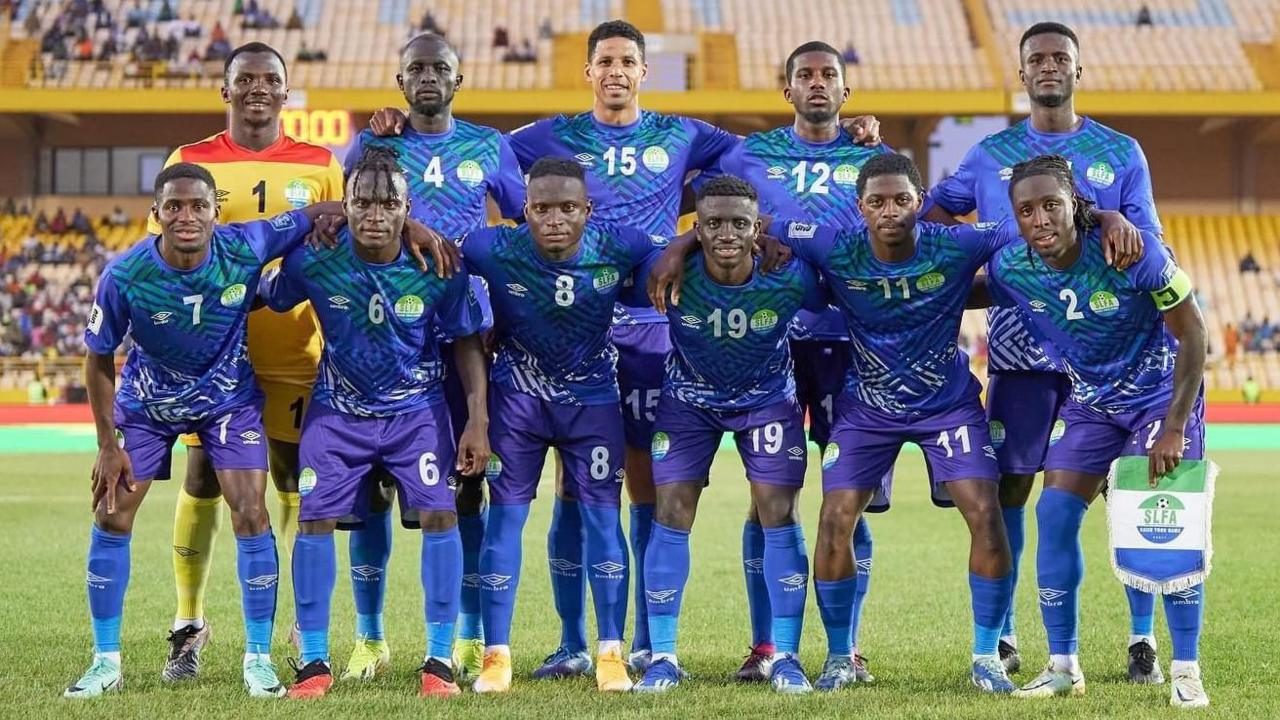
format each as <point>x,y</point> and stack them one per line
<point>37,393</point>
<point>84,47</point>
<point>42,222</point>
<point>1144,17</point>
<point>219,34</point>
<point>191,28</point>
<point>1230,343</point>
<point>545,31</point>
<point>1251,391</point>
<point>136,17</point>
<point>110,46</point>
<point>850,54</point>
<point>429,24</point>
<point>295,20</point>
<point>59,226</point>
<point>166,12</point>
<point>500,37</point>
<point>1263,340</point>
<point>1249,263</point>
<point>10,208</point>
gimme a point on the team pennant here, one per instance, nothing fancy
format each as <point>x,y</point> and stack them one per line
<point>1161,539</point>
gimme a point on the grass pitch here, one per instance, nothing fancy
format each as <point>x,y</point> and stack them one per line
<point>916,629</point>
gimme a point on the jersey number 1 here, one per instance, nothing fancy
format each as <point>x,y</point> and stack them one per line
<point>261,191</point>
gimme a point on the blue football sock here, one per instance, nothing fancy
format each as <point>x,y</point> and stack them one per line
<point>835,606</point>
<point>1060,567</point>
<point>990,598</point>
<point>258,566</point>
<point>471,529</point>
<point>370,548</point>
<point>862,563</point>
<point>787,567</point>
<point>757,589</point>
<point>1015,523</point>
<point>641,530</point>
<point>608,572</point>
<point>666,570</point>
<point>1184,611</point>
<point>108,578</point>
<point>500,557</point>
<point>315,572</point>
<point>441,574</point>
<point>1142,611</point>
<point>568,582</point>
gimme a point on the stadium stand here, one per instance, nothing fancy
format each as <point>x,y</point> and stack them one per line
<point>1190,46</point>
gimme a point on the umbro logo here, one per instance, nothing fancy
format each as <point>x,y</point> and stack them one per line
<point>250,437</point>
<point>1051,596</point>
<point>162,317</point>
<point>1038,306</point>
<point>796,453</point>
<point>95,579</point>
<point>1190,596</point>
<point>609,567</point>
<point>495,581</point>
<point>585,159</point>
<point>754,564</point>
<point>338,302</point>
<point>365,573</point>
<point>692,321</point>
<point>660,596</point>
<point>262,582</point>
<point>185,551</point>
<point>864,564</point>
<point>517,289</point>
<point>855,284</point>
<point>471,580</point>
<point>796,580</point>
<point>561,565</point>
<point>777,173</point>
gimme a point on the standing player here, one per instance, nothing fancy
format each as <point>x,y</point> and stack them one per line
<point>636,163</point>
<point>1027,388</point>
<point>452,166</point>
<point>730,370</point>
<point>809,171</point>
<point>554,283</point>
<point>381,404</point>
<point>184,298</point>
<point>1133,392</point>
<point>260,172</point>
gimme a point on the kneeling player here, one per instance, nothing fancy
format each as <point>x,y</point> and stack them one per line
<point>730,370</point>
<point>380,403</point>
<point>184,297</point>
<point>1133,392</point>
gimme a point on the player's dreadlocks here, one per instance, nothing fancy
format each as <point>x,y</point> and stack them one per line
<point>383,162</point>
<point>728,186</point>
<point>1058,168</point>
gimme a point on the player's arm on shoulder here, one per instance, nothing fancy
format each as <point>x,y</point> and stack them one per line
<point>282,288</point>
<point>508,189</point>
<point>808,241</point>
<point>956,194</point>
<point>1122,243</point>
<point>985,239</point>
<point>275,236</point>
<point>709,144</point>
<point>1137,198</point>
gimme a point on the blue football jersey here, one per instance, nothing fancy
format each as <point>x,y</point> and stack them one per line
<point>815,182</point>
<point>552,318</point>
<point>1104,325</point>
<point>635,173</point>
<point>1110,169</point>
<point>904,317</point>
<point>189,358</point>
<point>380,352</point>
<point>450,176</point>
<point>729,343</point>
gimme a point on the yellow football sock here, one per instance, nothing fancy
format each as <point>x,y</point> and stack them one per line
<point>290,503</point>
<point>195,525</point>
